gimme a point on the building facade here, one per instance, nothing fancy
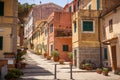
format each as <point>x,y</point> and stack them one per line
<point>111,34</point>
<point>60,36</point>
<point>85,32</point>
<point>37,13</point>
<point>8,26</point>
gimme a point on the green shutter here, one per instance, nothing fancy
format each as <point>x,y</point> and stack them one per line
<point>1,42</point>
<point>65,47</point>
<point>105,53</point>
<point>75,27</point>
<point>87,25</point>
<point>98,4</point>
<point>70,9</point>
<point>1,8</point>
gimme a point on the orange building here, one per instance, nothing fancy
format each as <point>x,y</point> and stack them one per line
<point>60,34</point>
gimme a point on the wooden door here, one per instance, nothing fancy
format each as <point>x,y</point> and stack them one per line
<point>114,60</point>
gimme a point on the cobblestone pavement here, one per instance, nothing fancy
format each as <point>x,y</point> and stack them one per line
<point>38,68</point>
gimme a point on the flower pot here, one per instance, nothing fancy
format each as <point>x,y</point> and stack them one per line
<point>71,63</point>
<point>105,73</point>
<point>48,57</point>
<point>61,61</point>
<point>56,59</point>
<point>88,68</point>
<point>45,55</point>
<point>99,71</point>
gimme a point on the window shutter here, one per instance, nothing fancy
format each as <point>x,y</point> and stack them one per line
<point>1,8</point>
<point>87,26</point>
<point>105,53</point>
<point>1,42</point>
<point>98,4</point>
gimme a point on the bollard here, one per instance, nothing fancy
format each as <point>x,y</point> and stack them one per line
<point>55,77</point>
<point>71,71</point>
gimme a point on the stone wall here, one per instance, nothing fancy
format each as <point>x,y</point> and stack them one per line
<point>89,53</point>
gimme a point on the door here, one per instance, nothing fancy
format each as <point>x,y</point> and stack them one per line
<point>114,60</point>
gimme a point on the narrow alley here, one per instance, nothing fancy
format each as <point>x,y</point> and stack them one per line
<point>39,68</point>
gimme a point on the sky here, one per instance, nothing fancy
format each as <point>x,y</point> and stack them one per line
<point>62,3</point>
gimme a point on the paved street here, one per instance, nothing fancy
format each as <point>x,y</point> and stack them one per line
<point>39,68</point>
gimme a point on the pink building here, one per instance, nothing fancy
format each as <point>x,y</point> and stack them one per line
<point>60,33</point>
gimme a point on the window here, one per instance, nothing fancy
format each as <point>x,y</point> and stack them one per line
<point>89,7</point>
<point>111,25</point>
<point>75,27</point>
<point>70,9</point>
<point>105,54</point>
<point>87,26</point>
<point>1,8</point>
<point>46,32</point>
<point>51,28</point>
<point>65,47</point>
<point>1,42</point>
<point>98,4</point>
<point>74,8</point>
<point>51,48</point>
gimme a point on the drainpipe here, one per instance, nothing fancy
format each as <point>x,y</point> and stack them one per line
<point>99,38</point>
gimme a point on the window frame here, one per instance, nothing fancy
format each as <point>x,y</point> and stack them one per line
<point>75,26</point>
<point>88,31</point>
<point>111,25</point>
<point>106,54</point>
<point>64,49</point>
<point>51,26</point>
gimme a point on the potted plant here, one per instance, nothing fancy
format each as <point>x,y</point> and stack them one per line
<point>10,76</point>
<point>17,72</point>
<point>70,56</point>
<point>55,55</point>
<point>20,58</point>
<point>45,54</point>
<point>88,66</point>
<point>48,57</point>
<point>105,71</point>
<point>61,61</point>
<point>99,70</point>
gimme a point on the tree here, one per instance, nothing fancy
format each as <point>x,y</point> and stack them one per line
<point>23,10</point>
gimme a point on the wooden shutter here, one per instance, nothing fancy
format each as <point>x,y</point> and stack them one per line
<point>87,25</point>
<point>1,8</point>
<point>105,53</point>
<point>1,42</point>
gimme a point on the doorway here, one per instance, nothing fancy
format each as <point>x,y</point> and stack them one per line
<point>114,60</point>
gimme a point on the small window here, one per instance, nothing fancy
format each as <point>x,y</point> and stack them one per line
<point>111,25</point>
<point>105,54</point>
<point>1,42</point>
<point>1,8</point>
<point>70,9</point>
<point>75,27</point>
<point>89,7</point>
<point>87,26</point>
<point>98,4</point>
<point>74,8</point>
<point>51,28</point>
<point>65,47</point>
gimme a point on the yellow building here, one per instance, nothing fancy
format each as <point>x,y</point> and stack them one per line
<point>8,26</point>
<point>85,33</point>
<point>111,34</point>
<point>91,4</point>
<point>40,37</point>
